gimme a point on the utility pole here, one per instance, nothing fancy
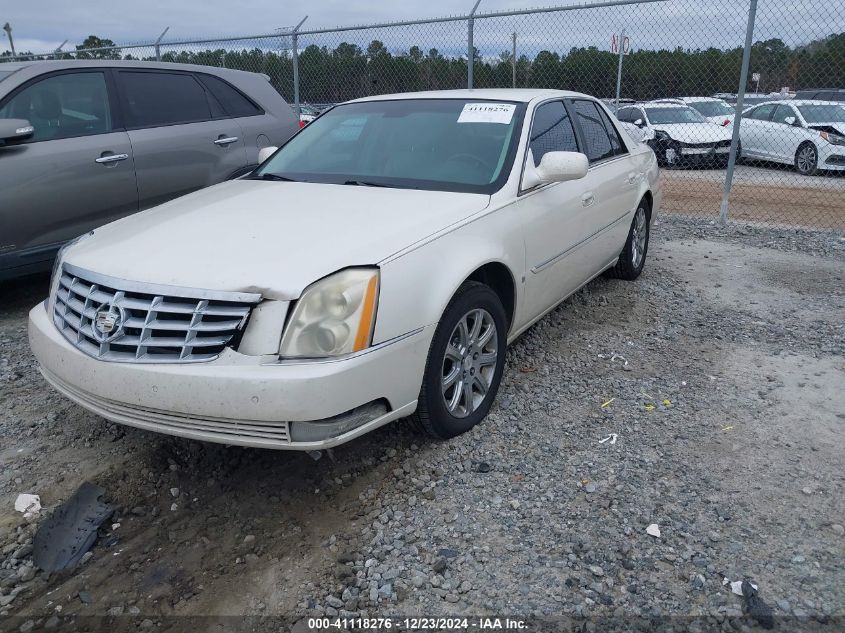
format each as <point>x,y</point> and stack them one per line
<point>513,60</point>
<point>740,97</point>
<point>619,67</point>
<point>158,43</point>
<point>8,28</point>
<point>470,46</point>
<point>295,60</point>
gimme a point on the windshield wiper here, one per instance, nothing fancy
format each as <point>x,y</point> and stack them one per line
<point>273,177</point>
<point>363,183</point>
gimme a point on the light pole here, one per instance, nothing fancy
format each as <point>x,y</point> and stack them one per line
<point>8,28</point>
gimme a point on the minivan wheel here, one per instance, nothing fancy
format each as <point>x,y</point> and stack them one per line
<point>465,363</point>
<point>807,159</point>
<point>632,259</point>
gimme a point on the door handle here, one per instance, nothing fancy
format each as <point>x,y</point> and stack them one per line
<point>111,158</point>
<point>226,140</point>
<point>587,199</point>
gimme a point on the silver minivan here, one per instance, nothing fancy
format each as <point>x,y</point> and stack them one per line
<point>83,143</point>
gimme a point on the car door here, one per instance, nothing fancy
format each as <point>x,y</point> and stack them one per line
<point>182,139</point>
<point>557,217</point>
<point>75,173</point>
<point>754,131</point>
<point>612,180</point>
<point>786,133</point>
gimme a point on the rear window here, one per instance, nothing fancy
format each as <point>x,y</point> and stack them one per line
<point>154,99</point>
<point>600,136</point>
<point>234,103</point>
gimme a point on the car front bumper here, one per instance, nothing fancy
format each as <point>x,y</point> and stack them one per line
<point>238,399</point>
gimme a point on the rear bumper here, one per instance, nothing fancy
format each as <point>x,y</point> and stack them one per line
<point>238,399</point>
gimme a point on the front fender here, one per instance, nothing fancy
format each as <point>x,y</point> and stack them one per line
<point>416,286</point>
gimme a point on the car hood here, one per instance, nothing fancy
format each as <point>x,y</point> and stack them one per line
<point>696,132</point>
<point>274,238</point>
<point>835,127</point>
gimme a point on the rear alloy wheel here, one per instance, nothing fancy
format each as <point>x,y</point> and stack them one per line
<point>807,159</point>
<point>632,259</point>
<point>465,363</point>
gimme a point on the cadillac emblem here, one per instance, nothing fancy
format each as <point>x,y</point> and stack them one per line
<point>108,322</point>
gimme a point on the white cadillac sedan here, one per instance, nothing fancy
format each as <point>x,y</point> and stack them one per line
<point>375,267</point>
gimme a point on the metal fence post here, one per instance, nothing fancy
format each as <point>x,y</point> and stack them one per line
<point>470,46</point>
<point>513,60</point>
<point>294,45</point>
<point>619,66</point>
<point>158,41</point>
<point>740,97</point>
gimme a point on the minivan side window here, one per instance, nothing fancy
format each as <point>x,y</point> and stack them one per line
<point>234,103</point>
<point>600,143</point>
<point>162,98</point>
<point>63,106</point>
<point>551,131</point>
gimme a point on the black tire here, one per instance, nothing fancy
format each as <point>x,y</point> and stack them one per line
<point>807,159</point>
<point>432,414</point>
<point>629,267</point>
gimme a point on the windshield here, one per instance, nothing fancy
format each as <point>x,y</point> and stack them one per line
<point>437,144</point>
<point>712,108</point>
<point>823,113</point>
<point>673,115</point>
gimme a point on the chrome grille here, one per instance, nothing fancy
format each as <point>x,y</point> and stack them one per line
<point>117,320</point>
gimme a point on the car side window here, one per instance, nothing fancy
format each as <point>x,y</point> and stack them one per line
<point>612,132</point>
<point>551,131</point>
<point>63,106</point>
<point>162,98</point>
<point>599,145</point>
<point>626,115</point>
<point>234,103</point>
<point>781,114</point>
<point>763,112</point>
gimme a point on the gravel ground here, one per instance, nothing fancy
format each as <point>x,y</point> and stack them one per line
<point>720,374</point>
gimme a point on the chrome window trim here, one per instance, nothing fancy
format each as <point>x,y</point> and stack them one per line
<point>161,289</point>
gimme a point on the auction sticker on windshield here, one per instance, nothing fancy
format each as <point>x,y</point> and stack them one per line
<point>487,113</point>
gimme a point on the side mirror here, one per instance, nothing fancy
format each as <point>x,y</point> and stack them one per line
<point>12,130</point>
<point>790,120</point>
<point>639,123</point>
<point>555,167</point>
<point>266,152</point>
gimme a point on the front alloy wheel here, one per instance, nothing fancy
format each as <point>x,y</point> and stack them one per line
<point>807,159</point>
<point>469,363</point>
<point>464,364</point>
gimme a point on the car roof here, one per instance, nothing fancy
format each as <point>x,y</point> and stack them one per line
<point>523,95</point>
<point>800,102</point>
<point>662,104</point>
<point>49,65</point>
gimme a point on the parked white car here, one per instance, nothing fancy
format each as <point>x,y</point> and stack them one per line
<point>810,135</point>
<point>678,134</point>
<point>716,111</point>
<point>375,267</point>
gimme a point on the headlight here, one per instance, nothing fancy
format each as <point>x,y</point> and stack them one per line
<point>833,139</point>
<point>57,265</point>
<point>334,316</point>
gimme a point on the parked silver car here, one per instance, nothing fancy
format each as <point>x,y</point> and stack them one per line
<point>109,138</point>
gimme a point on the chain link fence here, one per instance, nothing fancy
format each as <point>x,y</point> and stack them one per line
<point>677,65</point>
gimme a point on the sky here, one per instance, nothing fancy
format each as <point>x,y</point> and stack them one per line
<point>42,25</point>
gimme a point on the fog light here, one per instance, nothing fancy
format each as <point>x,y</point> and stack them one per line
<point>338,425</point>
